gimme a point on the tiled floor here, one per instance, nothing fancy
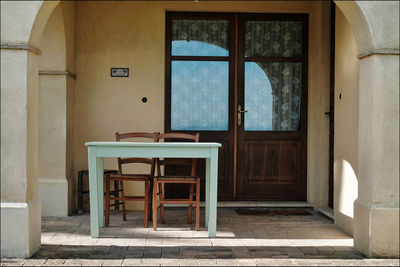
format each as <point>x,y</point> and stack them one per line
<point>242,240</point>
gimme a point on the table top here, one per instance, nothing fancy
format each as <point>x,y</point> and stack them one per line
<point>151,144</point>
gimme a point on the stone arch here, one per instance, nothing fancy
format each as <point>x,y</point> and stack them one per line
<point>41,19</point>
<point>53,182</point>
<point>355,16</point>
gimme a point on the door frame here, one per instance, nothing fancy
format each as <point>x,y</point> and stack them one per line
<point>235,50</point>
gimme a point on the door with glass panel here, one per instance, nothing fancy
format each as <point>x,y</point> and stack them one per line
<point>199,84</point>
<point>272,107</point>
<point>240,80</point>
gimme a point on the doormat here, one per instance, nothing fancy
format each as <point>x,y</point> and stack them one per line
<point>281,212</point>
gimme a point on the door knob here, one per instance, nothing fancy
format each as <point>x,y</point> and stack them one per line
<point>240,111</point>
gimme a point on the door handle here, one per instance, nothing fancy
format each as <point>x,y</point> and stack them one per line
<point>240,111</point>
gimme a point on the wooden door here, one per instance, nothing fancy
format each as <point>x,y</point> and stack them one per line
<point>199,88</point>
<point>212,65</point>
<point>272,116</point>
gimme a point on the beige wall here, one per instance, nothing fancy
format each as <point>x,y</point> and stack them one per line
<point>52,95</point>
<point>132,34</point>
<point>55,94</point>
<point>69,15</point>
<point>346,130</point>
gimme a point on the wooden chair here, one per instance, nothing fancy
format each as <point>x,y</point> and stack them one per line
<point>121,177</point>
<point>191,179</point>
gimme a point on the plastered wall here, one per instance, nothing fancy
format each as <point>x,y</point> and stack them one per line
<point>132,35</point>
<point>52,104</point>
<point>55,109</point>
<point>346,130</point>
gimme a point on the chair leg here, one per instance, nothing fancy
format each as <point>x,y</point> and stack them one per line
<point>80,190</point>
<point>107,219</point>
<point>197,204</point>
<point>162,211</point>
<point>116,202</point>
<point>150,199</point>
<point>123,201</point>
<point>146,203</point>
<point>191,192</point>
<point>155,204</point>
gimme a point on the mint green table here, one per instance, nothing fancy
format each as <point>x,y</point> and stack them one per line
<point>100,150</point>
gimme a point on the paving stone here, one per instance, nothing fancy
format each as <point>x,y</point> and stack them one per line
<point>35,262</point>
<point>54,262</point>
<point>207,262</point>
<point>246,262</point>
<point>227,262</point>
<point>131,262</point>
<point>224,254</point>
<point>73,262</point>
<point>241,252</point>
<point>170,252</point>
<point>169,262</point>
<point>188,262</point>
<point>152,252</point>
<point>150,262</point>
<point>118,250</point>
<point>112,262</point>
<point>135,252</point>
<point>12,262</point>
<point>241,240</point>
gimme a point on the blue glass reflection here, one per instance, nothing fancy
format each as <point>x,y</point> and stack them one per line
<point>199,95</point>
<point>258,99</point>
<point>197,48</point>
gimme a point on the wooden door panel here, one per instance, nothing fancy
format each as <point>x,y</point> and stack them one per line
<point>272,162</point>
<point>289,158</point>
<point>261,162</point>
<point>272,170</point>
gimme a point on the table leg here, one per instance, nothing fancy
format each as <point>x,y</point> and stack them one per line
<point>94,216</point>
<point>100,190</point>
<point>207,187</point>
<point>212,220</point>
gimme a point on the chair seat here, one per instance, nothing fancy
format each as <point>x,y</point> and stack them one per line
<point>136,177</point>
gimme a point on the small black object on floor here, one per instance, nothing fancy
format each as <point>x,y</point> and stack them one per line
<point>281,212</point>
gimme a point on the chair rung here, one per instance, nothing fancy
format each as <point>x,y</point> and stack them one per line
<point>169,181</point>
<point>130,179</point>
<point>127,198</point>
<point>177,201</point>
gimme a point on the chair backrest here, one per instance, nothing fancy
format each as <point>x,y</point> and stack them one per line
<point>136,135</point>
<point>176,137</point>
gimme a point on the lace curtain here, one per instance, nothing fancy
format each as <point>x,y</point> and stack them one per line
<point>197,88</point>
<point>273,39</point>
<point>198,36</point>
<point>283,85</point>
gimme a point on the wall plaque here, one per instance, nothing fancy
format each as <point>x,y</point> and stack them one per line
<point>119,72</point>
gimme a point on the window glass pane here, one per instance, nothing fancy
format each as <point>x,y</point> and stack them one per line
<point>199,95</point>
<point>200,37</point>
<point>272,96</point>
<point>273,38</point>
